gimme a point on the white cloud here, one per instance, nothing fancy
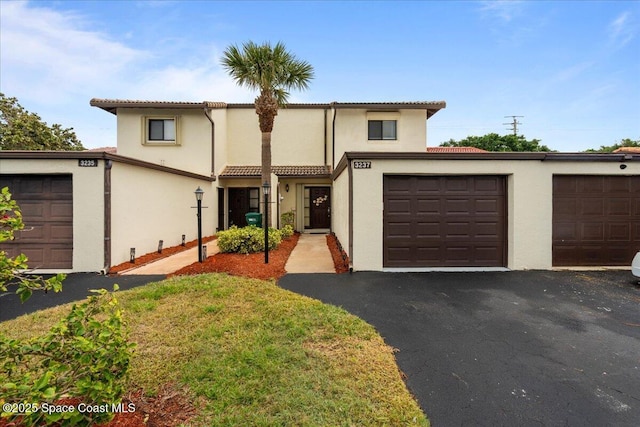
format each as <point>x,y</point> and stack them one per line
<point>505,10</point>
<point>622,29</point>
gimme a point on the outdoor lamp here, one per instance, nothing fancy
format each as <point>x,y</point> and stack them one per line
<point>266,188</point>
<point>199,192</point>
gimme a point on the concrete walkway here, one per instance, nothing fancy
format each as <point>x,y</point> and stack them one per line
<point>311,255</point>
<point>173,263</point>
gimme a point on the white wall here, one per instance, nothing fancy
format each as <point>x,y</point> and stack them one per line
<point>351,131</point>
<point>529,201</point>
<point>88,205</point>
<point>297,137</point>
<point>193,149</point>
<point>149,205</point>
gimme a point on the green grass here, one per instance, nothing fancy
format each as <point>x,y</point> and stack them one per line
<point>254,354</point>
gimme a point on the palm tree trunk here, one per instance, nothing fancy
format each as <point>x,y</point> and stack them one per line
<point>266,168</point>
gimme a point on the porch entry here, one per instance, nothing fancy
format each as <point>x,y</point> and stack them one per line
<point>242,201</point>
<point>317,207</point>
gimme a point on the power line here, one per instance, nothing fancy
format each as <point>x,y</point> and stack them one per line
<point>514,124</point>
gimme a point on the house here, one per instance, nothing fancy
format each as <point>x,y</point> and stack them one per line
<point>360,170</point>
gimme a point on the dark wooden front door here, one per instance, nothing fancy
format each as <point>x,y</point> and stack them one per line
<point>242,201</point>
<point>320,207</point>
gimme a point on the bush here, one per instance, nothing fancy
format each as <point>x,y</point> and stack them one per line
<point>286,231</point>
<point>83,359</point>
<point>247,240</point>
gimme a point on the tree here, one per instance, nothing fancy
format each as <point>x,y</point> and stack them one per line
<point>626,142</point>
<point>495,142</point>
<point>273,71</point>
<point>22,130</point>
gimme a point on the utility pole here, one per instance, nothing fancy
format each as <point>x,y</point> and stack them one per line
<point>514,124</point>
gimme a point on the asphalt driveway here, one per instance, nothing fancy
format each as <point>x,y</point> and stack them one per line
<point>504,349</point>
<point>74,288</point>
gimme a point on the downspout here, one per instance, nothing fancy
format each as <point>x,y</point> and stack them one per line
<point>333,137</point>
<point>325,137</point>
<point>213,141</point>
<point>108,163</point>
<point>350,172</point>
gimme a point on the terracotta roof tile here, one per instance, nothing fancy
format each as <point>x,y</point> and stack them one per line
<point>110,150</point>
<point>455,150</point>
<point>627,150</point>
<point>255,171</point>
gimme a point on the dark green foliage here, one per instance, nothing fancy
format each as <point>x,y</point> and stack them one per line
<point>626,142</point>
<point>22,130</point>
<point>495,142</point>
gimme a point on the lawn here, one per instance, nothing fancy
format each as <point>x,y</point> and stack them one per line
<point>246,352</point>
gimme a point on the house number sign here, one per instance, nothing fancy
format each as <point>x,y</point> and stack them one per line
<point>88,163</point>
<point>359,164</point>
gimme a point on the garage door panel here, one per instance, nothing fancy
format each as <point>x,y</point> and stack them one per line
<point>620,232</point>
<point>453,219</point>
<point>605,227</point>
<point>428,206</point>
<point>592,207</point>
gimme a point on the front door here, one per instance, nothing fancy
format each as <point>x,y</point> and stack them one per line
<point>320,207</point>
<point>242,201</point>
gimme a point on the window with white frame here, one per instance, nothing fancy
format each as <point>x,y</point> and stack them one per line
<point>383,130</point>
<point>161,130</point>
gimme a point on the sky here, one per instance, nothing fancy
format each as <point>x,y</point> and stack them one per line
<point>571,69</point>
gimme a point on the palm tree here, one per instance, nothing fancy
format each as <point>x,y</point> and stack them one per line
<point>273,71</point>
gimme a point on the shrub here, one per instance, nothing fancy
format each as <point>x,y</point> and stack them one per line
<point>83,359</point>
<point>246,240</point>
<point>288,218</point>
<point>286,231</point>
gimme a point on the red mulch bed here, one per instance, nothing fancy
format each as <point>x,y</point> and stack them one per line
<point>172,406</point>
<point>154,256</point>
<point>340,258</point>
<point>250,265</point>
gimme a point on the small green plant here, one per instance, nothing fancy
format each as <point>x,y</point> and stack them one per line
<point>288,218</point>
<point>11,268</point>
<point>74,374</point>
<point>247,240</point>
<point>286,231</point>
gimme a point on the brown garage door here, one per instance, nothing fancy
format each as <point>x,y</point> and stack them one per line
<point>596,220</point>
<point>46,203</point>
<point>444,221</point>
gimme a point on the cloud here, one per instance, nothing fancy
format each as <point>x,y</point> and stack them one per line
<point>504,10</point>
<point>622,29</point>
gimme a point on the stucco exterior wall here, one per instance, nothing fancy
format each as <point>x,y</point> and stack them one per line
<point>88,205</point>
<point>193,133</point>
<point>351,131</point>
<point>297,137</point>
<point>150,205</point>
<point>340,209</point>
<point>529,201</point>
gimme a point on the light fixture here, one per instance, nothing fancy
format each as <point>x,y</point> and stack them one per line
<point>286,188</point>
<point>199,192</point>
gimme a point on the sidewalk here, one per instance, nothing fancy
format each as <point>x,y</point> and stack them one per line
<point>173,263</point>
<point>311,255</point>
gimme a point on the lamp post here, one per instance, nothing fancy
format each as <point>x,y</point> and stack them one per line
<point>265,190</point>
<point>199,193</point>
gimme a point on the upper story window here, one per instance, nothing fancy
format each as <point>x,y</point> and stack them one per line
<point>383,130</point>
<point>161,130</point>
